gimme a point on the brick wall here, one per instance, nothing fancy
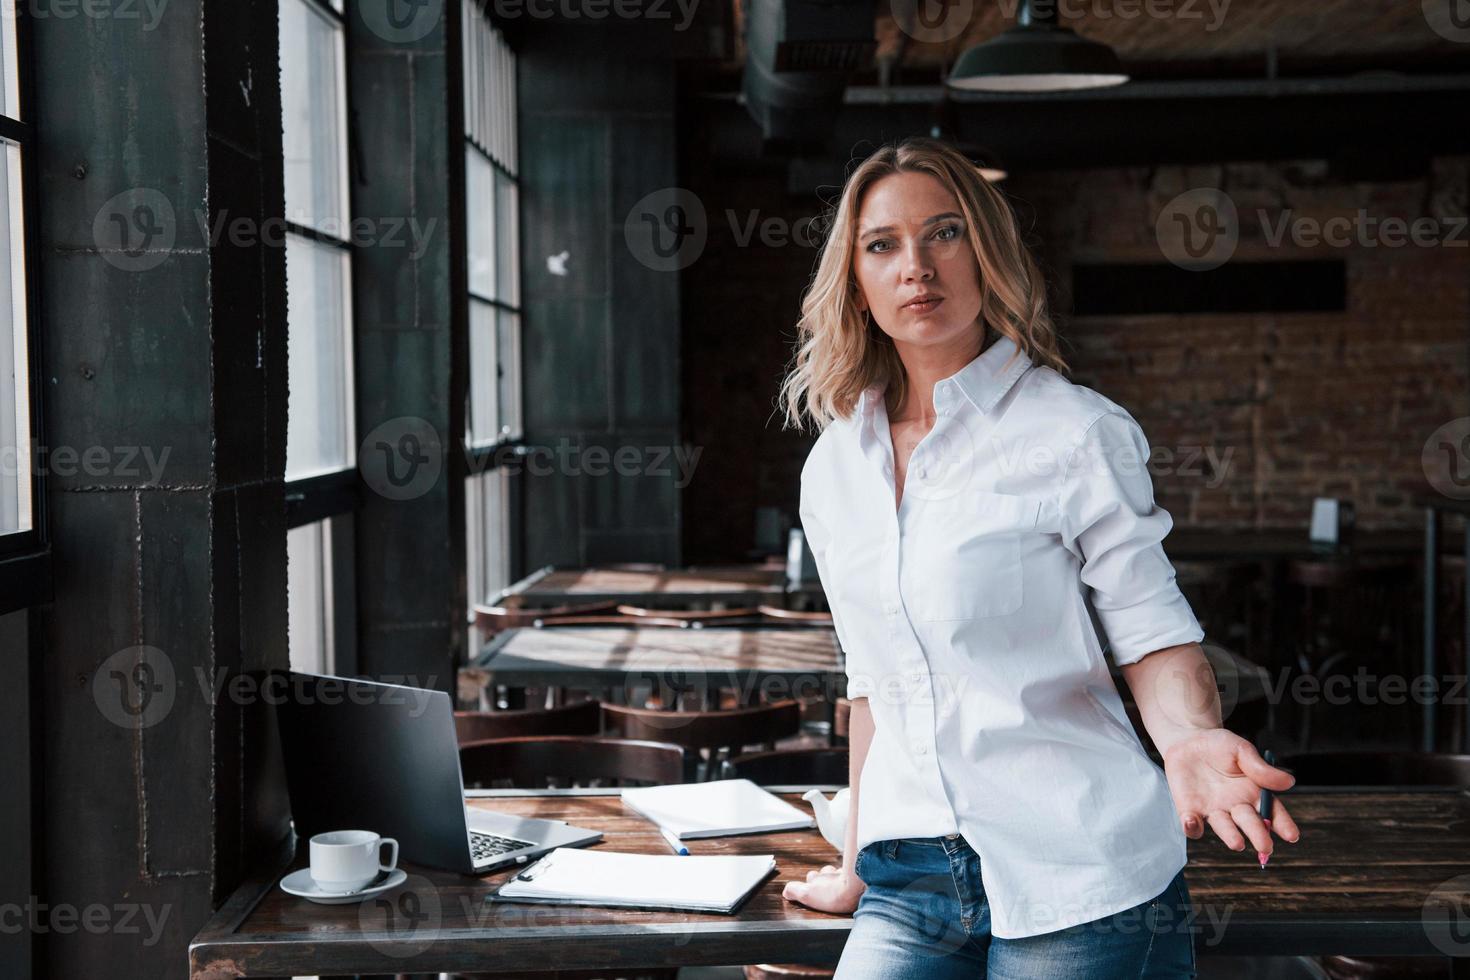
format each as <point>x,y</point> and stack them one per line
<point>1251,415</point>
<point>1293,405</point>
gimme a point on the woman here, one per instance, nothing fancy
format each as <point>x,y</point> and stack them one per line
<point>964,502</point>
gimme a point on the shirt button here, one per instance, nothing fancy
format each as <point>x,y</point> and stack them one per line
<point>921,749</point>
<point>923,473</point>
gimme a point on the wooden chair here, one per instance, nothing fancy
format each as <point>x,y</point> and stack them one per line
<point>579,718</point>
<point>713,731</point>
<point>789,767</point>
<point>1419,769</point>
<point>534,762</point>
<point>610,973</point>
<point>787,971</point>
<point>1451,643</point>
<point>795,616</point>
<point>710,616</point>
<point>1350,613</point>
<point>490,620</point>
<point>608,619</point>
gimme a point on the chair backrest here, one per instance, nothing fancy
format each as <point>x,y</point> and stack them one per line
<point>1351,608</point>
<point>1378,769</point>
<point>733,729</point>
<point>795,616</point>
<point>688,615</point>
<point>580,718</point>
<point>790,766</point>
<point>1340,574</point>
<point>537,762</point>
<point>608,619</point>
<point>492,619</point>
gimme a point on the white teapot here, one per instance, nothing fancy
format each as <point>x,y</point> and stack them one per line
<point>831,814</point>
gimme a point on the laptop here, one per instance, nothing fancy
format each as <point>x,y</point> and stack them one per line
<point>361,755</point>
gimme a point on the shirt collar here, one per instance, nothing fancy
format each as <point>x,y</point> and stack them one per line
<point>984,381</point>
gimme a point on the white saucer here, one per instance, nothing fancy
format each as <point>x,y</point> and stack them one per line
<point>301,884</point>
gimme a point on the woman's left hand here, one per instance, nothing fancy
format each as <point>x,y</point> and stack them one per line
<point>1217,776</point>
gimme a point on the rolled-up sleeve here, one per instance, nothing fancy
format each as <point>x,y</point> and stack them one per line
<point>1110,521</point>
<point>860,683</point>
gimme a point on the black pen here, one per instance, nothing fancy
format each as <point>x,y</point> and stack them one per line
<point>1264,807</point>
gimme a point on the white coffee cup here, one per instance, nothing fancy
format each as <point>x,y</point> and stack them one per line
<point>347,860</point>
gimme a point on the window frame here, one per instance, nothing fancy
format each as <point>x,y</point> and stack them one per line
<point>334,497</point>
<point>480,451</point>
<point>485,460</point>
<point>25,556</point>
<point>327,494</point>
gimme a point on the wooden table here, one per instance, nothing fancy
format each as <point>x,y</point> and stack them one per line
<point>776,661</point>
<point>1375,873</point>
<point>717,585</point>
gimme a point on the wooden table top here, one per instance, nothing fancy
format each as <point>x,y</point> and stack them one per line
<point>778,660</point>
<point>624,648</point>
<point>731,584</point>
<point>1376,872</point>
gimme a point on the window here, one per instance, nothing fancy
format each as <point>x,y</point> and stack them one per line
<point>308,551</point>
<point>321,419</point>
<point>486,522</point>
<point>23,579</point>
<point>492,204</point>
<point>323,631</point>
<point>15,395</point>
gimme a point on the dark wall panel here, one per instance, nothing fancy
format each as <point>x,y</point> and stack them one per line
<point>410,546</point>
<point>156,794</point>
<point>602,343</point>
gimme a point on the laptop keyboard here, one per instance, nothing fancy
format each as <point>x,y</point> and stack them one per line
<point>485,846</point>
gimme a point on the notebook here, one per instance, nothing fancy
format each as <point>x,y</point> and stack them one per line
<point>716,809</point>
<point>576,876</point>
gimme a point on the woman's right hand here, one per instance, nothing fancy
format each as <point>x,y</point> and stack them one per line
<point>828,890</point>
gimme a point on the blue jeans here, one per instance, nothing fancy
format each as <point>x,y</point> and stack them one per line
<point>924,917</point>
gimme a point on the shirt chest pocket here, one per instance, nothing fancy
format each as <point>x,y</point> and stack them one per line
<point>964,556</point>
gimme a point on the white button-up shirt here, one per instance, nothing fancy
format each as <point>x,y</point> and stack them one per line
<point>963,615</point>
